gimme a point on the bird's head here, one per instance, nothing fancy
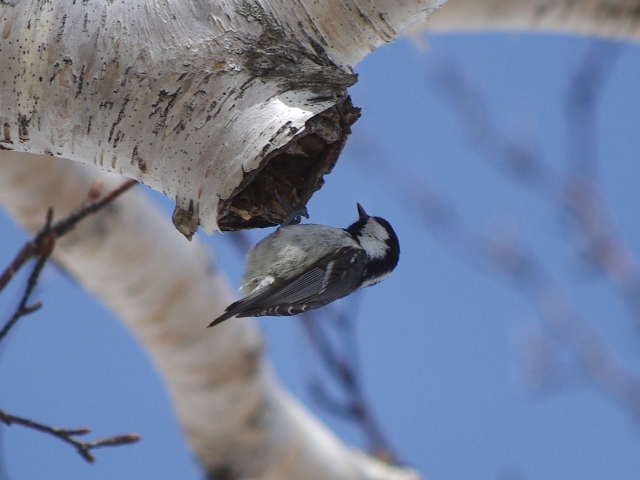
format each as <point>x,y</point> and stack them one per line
<point>380,243</point>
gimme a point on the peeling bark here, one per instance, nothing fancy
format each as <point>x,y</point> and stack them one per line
<point>193,98</point>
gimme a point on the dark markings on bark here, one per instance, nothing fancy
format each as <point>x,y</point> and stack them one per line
<point>23,128</point>
<point>118,138</point>
<point>136,158</point>
<point>311,23</point>
<point>245,86</point>
<point>383,19</point>
<point>255,12</point>
<point>165,96</point>
<point>6,133</point>
<point>56,67</point>
<point>123,82</point>
<point>179,127</point>
<point>226,96</point>
<point>80,81</point>
<point>63,22</point>
<point>97,35</point>
<point>293,66</point>
<point>119,118</point>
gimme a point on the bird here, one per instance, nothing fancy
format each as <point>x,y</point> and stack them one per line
<point>307,266</point>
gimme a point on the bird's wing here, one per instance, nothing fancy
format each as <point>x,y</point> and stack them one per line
<point>330,278</point>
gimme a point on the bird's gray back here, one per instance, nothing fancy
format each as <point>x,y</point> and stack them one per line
<point>291,250</point>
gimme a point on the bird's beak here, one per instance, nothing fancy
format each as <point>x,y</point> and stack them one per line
<point>363,215</point>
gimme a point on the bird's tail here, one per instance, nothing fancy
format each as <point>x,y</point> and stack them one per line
<point>240,307</point>
<point>225,316</point>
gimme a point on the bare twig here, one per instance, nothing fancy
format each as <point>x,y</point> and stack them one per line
<point>500,151</point>
<point>34,247</point>
<point>67,435</point>
<point>44,248</point>
<point>564,324</point>
<point>41,248</point>
<point>573,192</point>
<point>354,406</point>
<point>605,248</point>
<point>67,224</point>
<point>586,87</point>
<point>558,316</point>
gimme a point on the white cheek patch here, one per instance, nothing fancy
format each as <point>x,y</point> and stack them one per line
<point>373,239</point>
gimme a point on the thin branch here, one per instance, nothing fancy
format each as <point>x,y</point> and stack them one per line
<point>42,247</point>
<point>586,87</point>
<point>328,402</point>
<point>573,192</point>
<point>45,248</point>
<point>62,227</point>
<point>66,435</point>
<point>67,224</point>
<point>500,151</point>
<point>344,372</point>
<point>565,325</point>
<point>558,316</point>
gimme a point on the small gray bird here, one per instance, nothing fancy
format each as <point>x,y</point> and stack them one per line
<point>303,267</point>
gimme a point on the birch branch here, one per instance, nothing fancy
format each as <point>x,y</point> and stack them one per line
<point>236,417</point>
<point>618,19</point>
<point>219,105</point>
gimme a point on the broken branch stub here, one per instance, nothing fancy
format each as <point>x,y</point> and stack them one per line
<point>287,178</point>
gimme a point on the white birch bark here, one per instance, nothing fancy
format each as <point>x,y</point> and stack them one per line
<point>236,417</point>
<point>190,97</point>
<point>619,19</point>
<point>193,98</point>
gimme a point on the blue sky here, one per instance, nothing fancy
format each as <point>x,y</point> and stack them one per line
<point>440,342</point>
